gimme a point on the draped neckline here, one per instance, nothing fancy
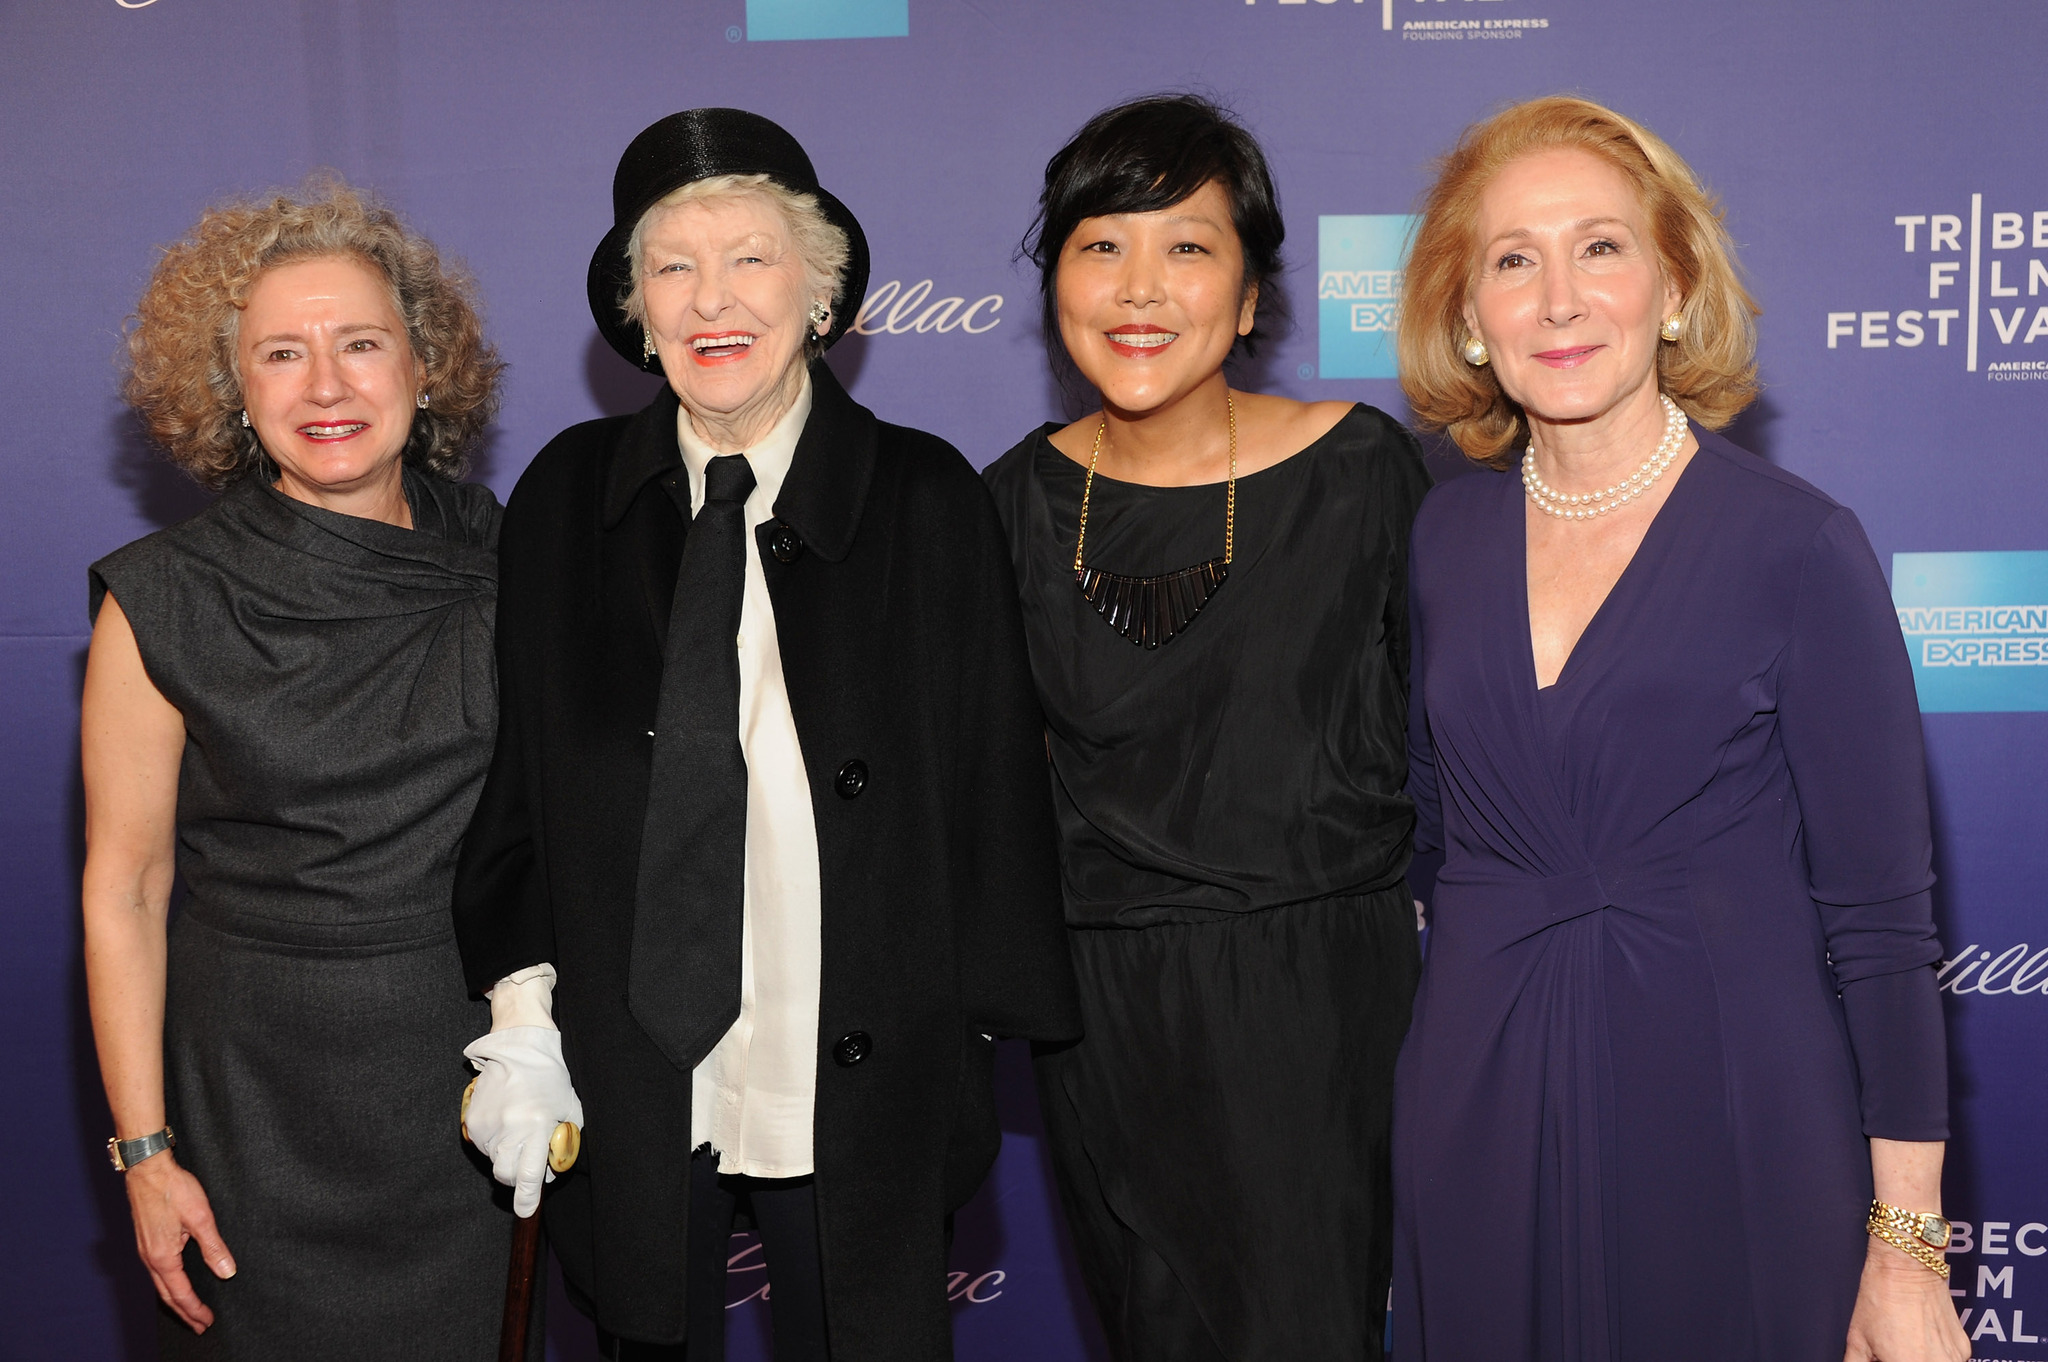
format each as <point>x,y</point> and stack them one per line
<point>1655,543</point>
<point>358,542</point>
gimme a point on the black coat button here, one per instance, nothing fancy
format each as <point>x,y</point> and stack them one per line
<point>852,779</point>
<point>852,1048</point>
<point>785,543</point>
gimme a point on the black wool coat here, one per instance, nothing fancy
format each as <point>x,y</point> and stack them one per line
<point>903,653</point>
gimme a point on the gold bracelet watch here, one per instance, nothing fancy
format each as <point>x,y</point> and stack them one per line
<point>1919,1234</point>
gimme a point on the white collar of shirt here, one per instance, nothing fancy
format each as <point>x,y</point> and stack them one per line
<point>769,457</point>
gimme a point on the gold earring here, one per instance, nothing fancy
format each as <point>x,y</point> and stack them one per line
<point>1674,327</point>
<point>646,345</point>
<point>1475,352</point>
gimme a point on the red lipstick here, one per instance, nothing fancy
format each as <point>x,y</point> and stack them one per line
<point>720,347</point>
<point>1136,348</point>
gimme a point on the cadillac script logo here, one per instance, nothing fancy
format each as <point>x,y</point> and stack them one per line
<point>893,310</point>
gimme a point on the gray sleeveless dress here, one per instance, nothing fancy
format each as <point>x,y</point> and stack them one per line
<point>337,684</point>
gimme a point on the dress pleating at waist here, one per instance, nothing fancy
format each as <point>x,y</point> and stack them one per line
<point>364,932</point>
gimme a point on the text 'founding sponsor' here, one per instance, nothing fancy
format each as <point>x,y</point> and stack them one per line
<point>1976,628</point>
<point>1975,263</point>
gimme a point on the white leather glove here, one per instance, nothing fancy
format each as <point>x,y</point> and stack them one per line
<point>523,1091</point>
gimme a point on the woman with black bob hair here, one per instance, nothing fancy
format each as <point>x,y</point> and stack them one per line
<point>1214,595</point>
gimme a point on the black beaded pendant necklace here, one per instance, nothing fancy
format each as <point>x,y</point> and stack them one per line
<point>1150,611</point>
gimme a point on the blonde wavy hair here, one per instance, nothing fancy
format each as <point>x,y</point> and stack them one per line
<point>1710,371</point>
<point>181,376</point>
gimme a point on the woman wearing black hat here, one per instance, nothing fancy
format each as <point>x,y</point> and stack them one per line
<point>1213,585</point>
<point>767,830</point>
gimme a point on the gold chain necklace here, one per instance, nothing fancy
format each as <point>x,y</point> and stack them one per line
<point>1150,611</point>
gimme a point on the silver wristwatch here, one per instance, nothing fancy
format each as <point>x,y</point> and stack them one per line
<point>125,1154</point>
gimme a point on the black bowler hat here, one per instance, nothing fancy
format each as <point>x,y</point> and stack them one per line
<point>697,144</point>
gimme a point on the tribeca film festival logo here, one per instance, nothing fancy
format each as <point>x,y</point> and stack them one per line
<point>1991,1312</point>
<point>1440,26</point>
<point>1976,627</point>
<point>1359,258</point>
<point>893,310</point>
<point>1967,287</point>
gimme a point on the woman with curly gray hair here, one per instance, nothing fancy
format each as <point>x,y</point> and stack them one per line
<point>289,704</point>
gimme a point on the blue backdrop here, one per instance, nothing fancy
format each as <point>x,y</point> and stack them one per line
<point>1884,172</point>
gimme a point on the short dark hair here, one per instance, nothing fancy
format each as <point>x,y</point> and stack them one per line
<point>1149,154</point>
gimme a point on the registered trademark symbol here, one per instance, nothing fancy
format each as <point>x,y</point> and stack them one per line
<point>1305,371</point>
<point>733,34</point>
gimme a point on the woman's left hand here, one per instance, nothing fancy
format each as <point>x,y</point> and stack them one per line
<point>1903,1313</point>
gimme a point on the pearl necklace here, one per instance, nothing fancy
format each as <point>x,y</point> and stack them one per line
<point>1587,505</point>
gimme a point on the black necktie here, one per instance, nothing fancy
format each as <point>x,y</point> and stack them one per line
<point>683,984</point>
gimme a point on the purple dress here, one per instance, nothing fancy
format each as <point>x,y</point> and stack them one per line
<point>1680,961</point>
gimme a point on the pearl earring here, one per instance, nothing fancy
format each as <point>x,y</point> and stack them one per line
<point>1673,328</point>
<point>1475,352</point>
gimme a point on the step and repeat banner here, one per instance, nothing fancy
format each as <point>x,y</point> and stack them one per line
<point>1883,168</point>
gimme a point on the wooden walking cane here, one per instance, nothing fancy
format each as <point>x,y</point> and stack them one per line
<point>563,1147</point>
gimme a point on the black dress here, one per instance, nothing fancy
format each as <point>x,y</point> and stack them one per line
<point>1233,843</point>
<point>335,678</point>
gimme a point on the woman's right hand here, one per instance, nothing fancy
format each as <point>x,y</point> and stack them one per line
<point>523,1091</point>
<point>132,743</point>
<point>170,1208</point>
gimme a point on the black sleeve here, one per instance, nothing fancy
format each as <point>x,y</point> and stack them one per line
<point>1404,481</point>
<point>1016,977</point>
<point>504,921</point>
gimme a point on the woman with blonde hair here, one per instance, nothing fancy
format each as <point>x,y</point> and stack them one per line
<point>1675,1086</point>
<point>289,704</point>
